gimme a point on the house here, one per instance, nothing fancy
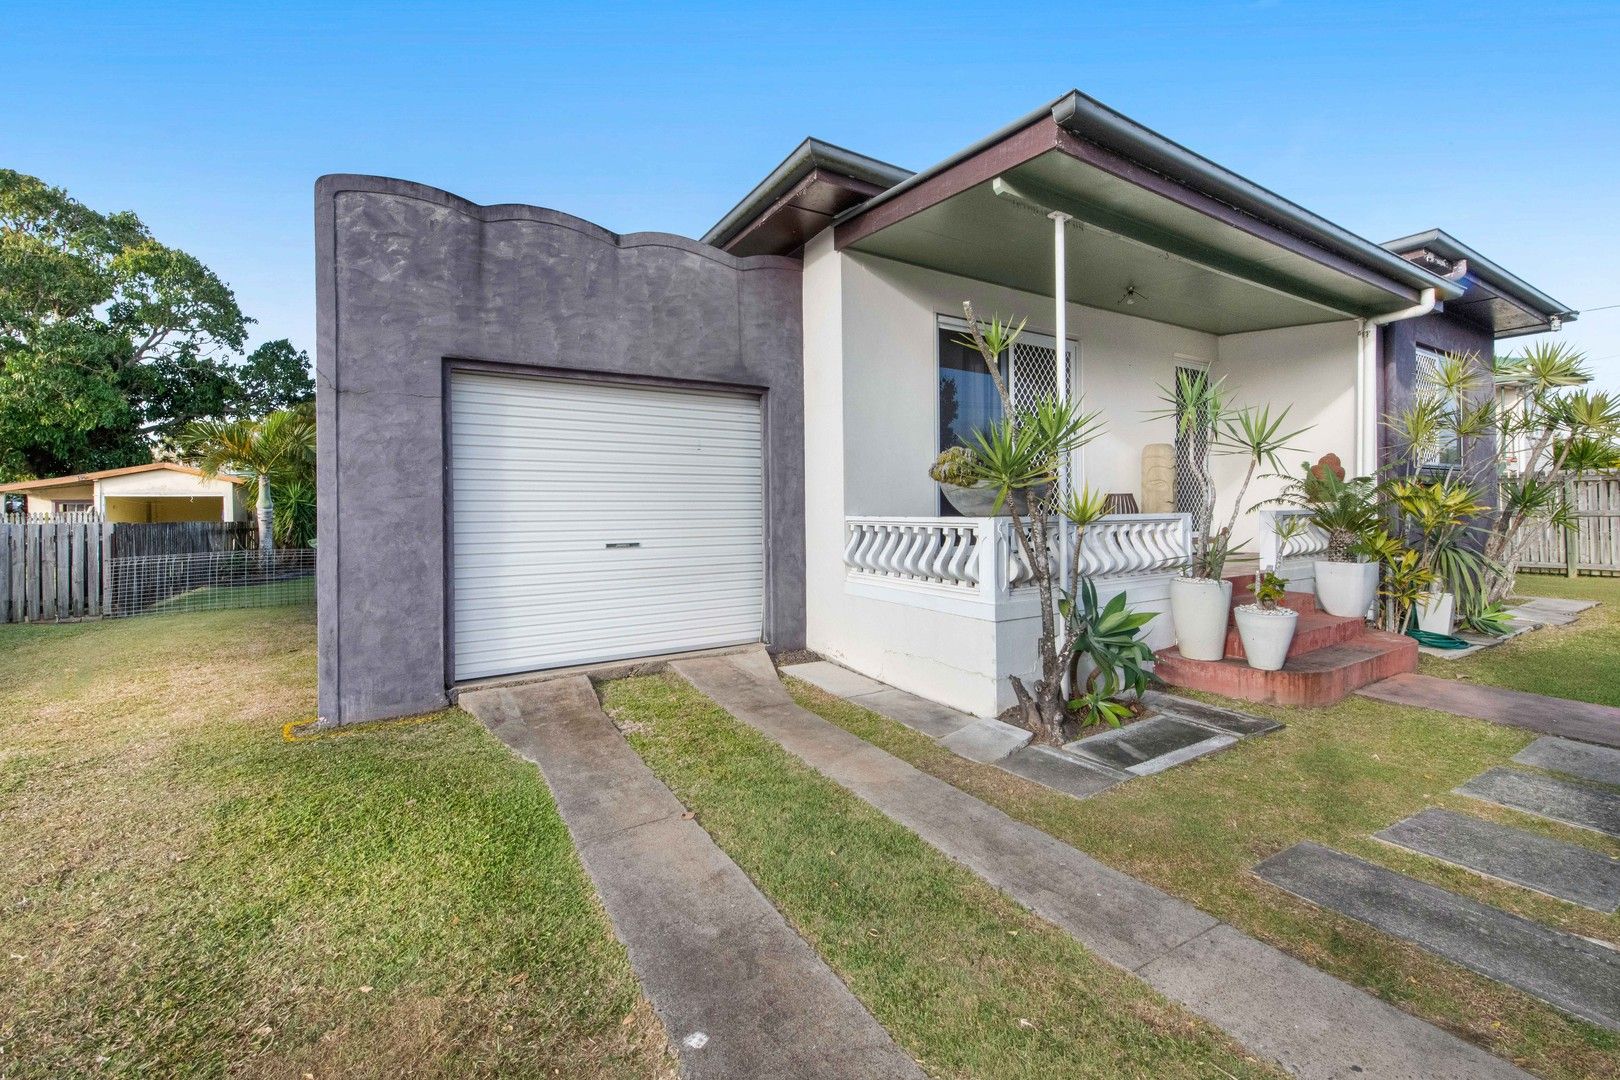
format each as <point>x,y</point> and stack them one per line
<point>544,445</point>
<point>160,491</point>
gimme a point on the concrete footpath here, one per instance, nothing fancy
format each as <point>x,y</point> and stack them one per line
<point>740,993</point>
<point>1286,1011</point>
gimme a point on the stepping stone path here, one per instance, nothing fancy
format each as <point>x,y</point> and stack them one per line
<point>1512,708</point>
<point>1599,763</point>
<point>1560,800</point>
<point>1571,973</point>
<point>1528,616</point>
<point>1282,1009</point>
<point>1566,871</point>
<point>1180,731</point>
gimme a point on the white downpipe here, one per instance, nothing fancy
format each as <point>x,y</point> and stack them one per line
<point>1367,379</point>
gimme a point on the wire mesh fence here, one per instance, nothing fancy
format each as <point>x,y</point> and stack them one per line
<point>212,581</point>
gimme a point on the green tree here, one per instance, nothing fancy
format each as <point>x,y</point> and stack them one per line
<point>109,340</point>
<point>279,449</point>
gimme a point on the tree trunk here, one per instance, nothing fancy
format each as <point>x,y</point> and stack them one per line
<point>264,514</point>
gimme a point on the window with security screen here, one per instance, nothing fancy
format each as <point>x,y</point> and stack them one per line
<point>1192,447</point>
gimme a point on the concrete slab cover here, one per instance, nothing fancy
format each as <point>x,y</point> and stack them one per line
<point>1560,800</point>
<point>1150,745</point>
<point>1228,720</point>
<point>741,995</point>
<point>834,679</point>
<point>986,741</point>
<point>1600,763</point>
<point>1514,708</point>
<point>1315,1025</point>
<point>1059,771</point>
<point>1571,973</point>
<point>1566,871</point>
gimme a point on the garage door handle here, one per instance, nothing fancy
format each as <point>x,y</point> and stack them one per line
<point>628,544</point>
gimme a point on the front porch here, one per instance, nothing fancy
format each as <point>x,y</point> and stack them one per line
<point>1139,283</point>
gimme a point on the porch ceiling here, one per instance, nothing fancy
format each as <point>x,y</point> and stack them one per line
<point>1189,269</point>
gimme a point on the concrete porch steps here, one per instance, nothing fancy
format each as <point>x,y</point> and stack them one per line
<point>1329,658</point>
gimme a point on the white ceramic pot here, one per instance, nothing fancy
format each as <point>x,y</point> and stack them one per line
<point>1434,615</point>
<point>1266,634</point>
<point>1346,589</point>
<point>1199,607</point>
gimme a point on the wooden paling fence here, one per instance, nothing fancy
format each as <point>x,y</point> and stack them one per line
<point>1592,549</point>
<point>55,570</point>
<point>58,570</point>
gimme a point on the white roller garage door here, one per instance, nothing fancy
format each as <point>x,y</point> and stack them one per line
<point>600,521</point>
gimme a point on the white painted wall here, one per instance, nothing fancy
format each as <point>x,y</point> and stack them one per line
<point>1310,370</point>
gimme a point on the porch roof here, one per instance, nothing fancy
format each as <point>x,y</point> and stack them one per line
<point>1503,302</point>
<point>1203,247</point>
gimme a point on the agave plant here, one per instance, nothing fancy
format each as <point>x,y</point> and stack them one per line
<point>1109,638</point>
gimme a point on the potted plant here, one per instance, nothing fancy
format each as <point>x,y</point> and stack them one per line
<point>1347,511</point>
<point>1201,600</point>
<point>959,473</point>
<point>1266,628</point>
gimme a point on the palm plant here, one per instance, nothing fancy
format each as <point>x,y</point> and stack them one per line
<point>1346,510</point>
<point>1252,434</point>
<point>279,447</point>
<point>1018,456</point>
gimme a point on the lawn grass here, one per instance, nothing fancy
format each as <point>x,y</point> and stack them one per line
<point>186,893</point>
<point>1576,661</point>
<point>1334,775</point>
<point>968,982</point>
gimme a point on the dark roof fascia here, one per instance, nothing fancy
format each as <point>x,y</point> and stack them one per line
<point>808,156</point>
<point>1491,274</point>
<point>1090,120</point>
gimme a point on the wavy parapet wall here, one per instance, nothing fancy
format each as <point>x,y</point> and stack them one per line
<point>412,280</point>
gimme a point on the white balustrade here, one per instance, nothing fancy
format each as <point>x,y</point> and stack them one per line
<point>1279,542</point>
<point>982,558</point>
<point>935,551</point>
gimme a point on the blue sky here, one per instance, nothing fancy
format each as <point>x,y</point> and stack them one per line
<point>1499,123</point>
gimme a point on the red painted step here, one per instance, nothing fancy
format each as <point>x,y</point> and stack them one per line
<point>1322,676</point>
<point>1315,630</point>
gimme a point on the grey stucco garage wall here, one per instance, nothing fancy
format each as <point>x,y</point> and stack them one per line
<point>410,279</point>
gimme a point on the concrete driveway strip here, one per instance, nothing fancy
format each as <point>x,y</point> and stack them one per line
<point>740,993</point>
<point>1279,1008</point>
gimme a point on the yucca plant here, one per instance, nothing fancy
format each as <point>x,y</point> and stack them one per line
<point>1020,457</point>
<point>1254,434</point>
<point>279,447</point>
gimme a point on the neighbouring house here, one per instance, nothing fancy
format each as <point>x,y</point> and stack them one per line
<point>161,491</point>
<point>544,445</point>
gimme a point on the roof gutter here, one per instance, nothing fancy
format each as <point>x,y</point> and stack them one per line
<point>808,155</point>
<point>1444,244</point>
<point>1092,120</point>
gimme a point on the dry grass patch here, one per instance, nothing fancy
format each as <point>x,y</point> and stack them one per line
<point>186,893</point>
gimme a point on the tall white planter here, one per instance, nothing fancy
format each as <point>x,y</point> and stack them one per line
<point>1435,614</point>
<point>1199,608</point>
<point>1266,635</point>
<point>1346,589</point>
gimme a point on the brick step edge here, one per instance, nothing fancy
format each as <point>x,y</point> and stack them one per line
<point>1324,677</point>
<point>1315,630</point>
